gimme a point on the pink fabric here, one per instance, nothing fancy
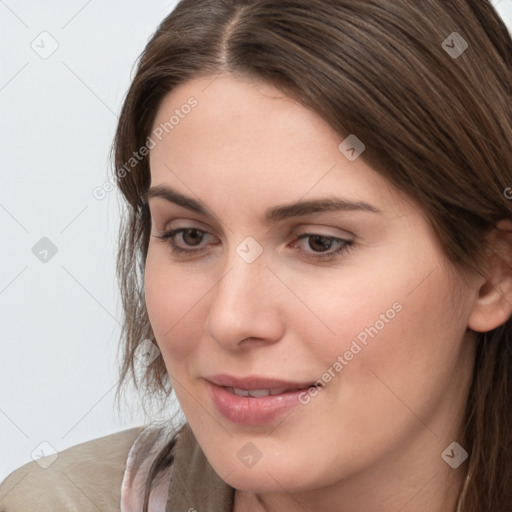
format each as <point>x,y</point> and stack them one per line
<point>143,452</point>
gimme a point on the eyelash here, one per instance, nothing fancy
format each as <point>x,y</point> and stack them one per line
<point>346,245</point>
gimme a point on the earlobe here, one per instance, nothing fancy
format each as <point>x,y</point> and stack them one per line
<point>493,300</point>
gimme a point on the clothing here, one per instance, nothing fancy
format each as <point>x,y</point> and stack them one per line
<point>109,473</point>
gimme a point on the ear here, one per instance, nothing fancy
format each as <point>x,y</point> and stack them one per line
<point>493,299</point>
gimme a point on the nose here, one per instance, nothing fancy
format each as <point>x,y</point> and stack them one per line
<point>244,308</point>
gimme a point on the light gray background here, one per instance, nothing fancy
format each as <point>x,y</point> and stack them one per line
<point>61,319</point>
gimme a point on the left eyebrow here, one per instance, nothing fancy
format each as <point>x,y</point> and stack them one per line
<point>273,214</point>
<point>327,204</point>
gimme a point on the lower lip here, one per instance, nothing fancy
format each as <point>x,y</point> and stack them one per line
<point>247,410</point>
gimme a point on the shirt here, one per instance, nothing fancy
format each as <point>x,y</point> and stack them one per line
<point>109,473</point>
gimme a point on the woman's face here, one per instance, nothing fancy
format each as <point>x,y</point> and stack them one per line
<point>380,326</point>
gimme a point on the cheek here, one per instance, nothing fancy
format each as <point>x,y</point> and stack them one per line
<point>405,364</point>
<point>174,303</point>
<point>349,305</point>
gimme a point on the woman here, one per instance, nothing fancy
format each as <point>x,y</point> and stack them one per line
<point>318,239</point>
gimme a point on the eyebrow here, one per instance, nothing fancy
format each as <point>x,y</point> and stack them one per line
<point>273,214</point>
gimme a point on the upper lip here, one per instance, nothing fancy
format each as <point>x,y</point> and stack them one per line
<point>255,382</point>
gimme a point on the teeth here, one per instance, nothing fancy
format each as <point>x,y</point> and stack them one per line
<point>255,393</point>
<point>239,392</point>
<point>277,391</point>
<point>259,392</point>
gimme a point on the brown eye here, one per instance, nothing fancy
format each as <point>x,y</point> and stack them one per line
<point>192,236</point>
<point>320,244</point>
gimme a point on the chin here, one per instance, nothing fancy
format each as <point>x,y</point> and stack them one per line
<point>265,477</point>
<point>261,482</point>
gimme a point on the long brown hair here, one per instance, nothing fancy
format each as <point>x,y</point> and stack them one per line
<point>436,120</point>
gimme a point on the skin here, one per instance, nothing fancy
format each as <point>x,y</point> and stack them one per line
<point>372,438</point>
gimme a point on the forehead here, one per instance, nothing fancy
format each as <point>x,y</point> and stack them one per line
<point>246,135</point>
<point>241,114</point>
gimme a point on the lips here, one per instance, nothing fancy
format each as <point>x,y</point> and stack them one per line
<point>255,383</point>
<point>253,400</point>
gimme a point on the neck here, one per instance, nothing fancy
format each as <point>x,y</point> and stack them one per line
<point>390,486</point>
